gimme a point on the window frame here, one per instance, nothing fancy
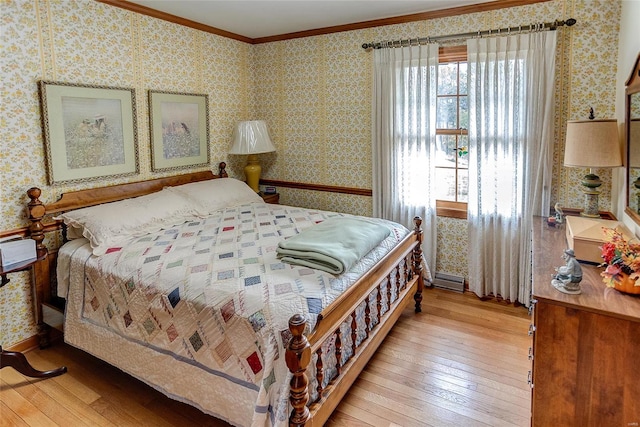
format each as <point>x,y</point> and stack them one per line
<point>447,208</point>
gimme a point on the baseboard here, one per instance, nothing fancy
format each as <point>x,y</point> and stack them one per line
<point>33,342</point>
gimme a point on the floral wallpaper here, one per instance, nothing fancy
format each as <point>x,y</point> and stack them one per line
<point>314,93</point>
<point>86,42</point>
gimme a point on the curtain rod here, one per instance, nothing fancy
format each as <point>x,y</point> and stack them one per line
<point>552,26</point>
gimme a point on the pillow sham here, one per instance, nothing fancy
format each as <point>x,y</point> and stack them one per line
<point>111,224</point>
<point>74,233</point>
<point>214,194</point>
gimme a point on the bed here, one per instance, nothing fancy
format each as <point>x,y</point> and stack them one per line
<point>203,309</point>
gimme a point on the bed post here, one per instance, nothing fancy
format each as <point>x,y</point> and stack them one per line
<point>417,263</point>
<point>36,212</point>
<point>222,170</point>
<point>298,356</point>
<point>40,271</point>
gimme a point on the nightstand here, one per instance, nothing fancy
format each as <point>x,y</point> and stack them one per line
<point>16,359</point>
<point>273,198</point>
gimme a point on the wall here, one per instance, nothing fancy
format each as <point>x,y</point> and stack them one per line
<point>314,92</point>
<point>91,43</point>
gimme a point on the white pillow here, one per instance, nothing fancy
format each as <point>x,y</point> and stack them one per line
<point>214,194</point>
<point>111,224</point>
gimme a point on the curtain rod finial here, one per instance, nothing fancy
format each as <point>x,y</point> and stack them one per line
<point>570,22</point>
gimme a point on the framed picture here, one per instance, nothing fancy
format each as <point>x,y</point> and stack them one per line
<point>179,125</point>
<point>89,131</point>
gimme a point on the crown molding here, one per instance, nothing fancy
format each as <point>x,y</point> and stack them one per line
<point>144,10</point>
<point>443,13</point>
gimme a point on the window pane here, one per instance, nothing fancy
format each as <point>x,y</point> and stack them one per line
<point>446,184</point>
<point>452,151</point>
<point>463,78</point>
<point>463,151</point>
<point>463,185</point>
<point>464,112</point>
<point>448,79</point>
<point>447,113</point>
<point>446,151</point>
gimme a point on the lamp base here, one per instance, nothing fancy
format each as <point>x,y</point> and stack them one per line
<point>590,206</point>
<point>252,172</point>
<point>591,182</point>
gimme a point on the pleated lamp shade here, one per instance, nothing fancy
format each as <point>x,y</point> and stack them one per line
<point>592,144</point>
<point>252,138</point>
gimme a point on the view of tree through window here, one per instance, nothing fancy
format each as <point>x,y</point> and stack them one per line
<point>452,122</point>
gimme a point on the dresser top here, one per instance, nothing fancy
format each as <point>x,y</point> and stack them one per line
<point>548,246</point>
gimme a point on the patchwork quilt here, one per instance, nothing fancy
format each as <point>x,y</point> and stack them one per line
<point>212,293</point>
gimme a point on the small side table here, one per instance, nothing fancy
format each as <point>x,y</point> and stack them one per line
<point>16,359</point>
<point>273,198</point>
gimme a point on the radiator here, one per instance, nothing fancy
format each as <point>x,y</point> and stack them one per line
<point>449,281</point>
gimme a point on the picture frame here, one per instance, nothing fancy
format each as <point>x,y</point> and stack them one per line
<point>179,129</point>
<point>89,131</point>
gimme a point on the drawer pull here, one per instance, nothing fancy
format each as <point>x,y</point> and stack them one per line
<point>530,379</point>
<point>530,353</point>
<point>532,329</point>
<point>531,304</point>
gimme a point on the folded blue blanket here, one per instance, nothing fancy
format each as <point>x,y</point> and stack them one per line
<point>333,245</point>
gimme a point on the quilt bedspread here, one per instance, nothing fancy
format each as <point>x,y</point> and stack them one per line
<point>212,293</point>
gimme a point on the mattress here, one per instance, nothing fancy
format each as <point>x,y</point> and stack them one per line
<point>200,311</point>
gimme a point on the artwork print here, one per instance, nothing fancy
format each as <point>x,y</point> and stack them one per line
<point>93,132</point>
<point>89,131</point>
<point>179,130</point>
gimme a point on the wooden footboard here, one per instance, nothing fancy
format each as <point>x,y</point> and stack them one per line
<point>401,274</point>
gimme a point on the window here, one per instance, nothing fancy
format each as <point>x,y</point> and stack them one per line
<point>452,140</point>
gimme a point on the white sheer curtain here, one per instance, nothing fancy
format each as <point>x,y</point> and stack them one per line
<point>510,157</point>
<point>404,114</point>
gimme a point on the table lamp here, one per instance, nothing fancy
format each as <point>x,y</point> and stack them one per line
<point>592,144</point>
<point>252,138</point>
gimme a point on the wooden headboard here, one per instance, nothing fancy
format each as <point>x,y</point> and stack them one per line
<point>95,196</point>
<point>43,269</point>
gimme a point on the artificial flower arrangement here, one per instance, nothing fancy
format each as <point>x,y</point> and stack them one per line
<point>621,258</point>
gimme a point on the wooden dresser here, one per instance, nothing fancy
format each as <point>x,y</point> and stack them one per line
<point>586,348</point>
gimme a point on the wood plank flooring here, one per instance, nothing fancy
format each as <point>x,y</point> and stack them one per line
<point>461,362</point>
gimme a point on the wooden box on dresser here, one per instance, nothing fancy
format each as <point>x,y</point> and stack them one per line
<point>586,348</point>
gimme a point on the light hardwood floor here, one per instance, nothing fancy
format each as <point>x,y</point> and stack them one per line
<point>461,362</point>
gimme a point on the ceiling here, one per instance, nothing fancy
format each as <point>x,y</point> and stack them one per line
<point>264,18</point>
